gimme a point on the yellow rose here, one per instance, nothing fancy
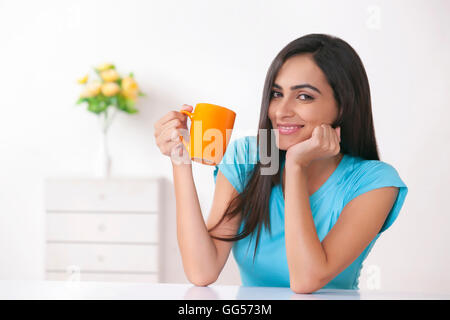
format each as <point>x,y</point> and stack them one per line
<point>83,80</point>
<point>92,89</point>
<point>104,66</point>
<point>109,75</point>
<point>130,88</point>
<point>110,88</point>
<point>85,94</point>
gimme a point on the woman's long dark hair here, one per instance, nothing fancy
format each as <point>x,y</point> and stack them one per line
<point>347,77</point>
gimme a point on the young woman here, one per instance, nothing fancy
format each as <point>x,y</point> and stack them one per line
<point>312,224</point>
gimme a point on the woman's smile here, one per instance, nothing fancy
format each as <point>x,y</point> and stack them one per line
<point>286,130</point>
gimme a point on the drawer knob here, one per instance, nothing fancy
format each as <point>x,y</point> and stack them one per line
<point>74,273</point>
<point>100,258</point>
<point>101,227</point>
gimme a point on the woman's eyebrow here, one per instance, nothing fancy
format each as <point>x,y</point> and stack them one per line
<point>299,86</point>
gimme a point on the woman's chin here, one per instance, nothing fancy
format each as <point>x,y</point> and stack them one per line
<point>284,144</point>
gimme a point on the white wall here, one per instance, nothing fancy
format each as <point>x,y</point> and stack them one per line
<point>219,52</point>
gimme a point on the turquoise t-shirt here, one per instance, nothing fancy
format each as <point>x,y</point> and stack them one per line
<point>353,177</point>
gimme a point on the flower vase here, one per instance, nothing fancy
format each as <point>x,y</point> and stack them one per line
<point>104,161</point>
<point>103,169</point>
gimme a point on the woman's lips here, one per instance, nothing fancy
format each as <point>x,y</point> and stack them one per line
<point>289,129</point>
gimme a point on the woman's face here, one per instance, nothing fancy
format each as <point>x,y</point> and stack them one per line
<point>301,99</point>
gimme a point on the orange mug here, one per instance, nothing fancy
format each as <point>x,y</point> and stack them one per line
<point>211,127</point>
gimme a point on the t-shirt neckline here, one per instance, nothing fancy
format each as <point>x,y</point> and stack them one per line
<point>326,185</point>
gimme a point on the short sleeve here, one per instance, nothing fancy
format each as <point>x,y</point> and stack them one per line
<point>378,174</point>
<point>234,163</point>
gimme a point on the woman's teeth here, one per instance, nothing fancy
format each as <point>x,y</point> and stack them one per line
<point>289,130</point>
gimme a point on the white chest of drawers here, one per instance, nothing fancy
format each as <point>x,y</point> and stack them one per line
<point>102,230</point>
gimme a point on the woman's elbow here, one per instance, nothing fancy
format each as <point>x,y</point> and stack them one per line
<point>202,280</point>
<point>305,287</point>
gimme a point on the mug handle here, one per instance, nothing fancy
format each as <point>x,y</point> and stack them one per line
<point>190,115</point>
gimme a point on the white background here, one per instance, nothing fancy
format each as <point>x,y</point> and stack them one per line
<point>218,52</point>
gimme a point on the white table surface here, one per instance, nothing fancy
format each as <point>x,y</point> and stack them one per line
<point>62,290</point>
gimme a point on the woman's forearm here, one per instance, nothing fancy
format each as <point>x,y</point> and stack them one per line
<point>197,248</point>
<point>305,254</point>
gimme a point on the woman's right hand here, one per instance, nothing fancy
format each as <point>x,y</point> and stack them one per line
<point>169,128</point>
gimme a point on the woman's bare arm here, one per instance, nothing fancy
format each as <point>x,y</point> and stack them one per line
<point>203,257</point>
<point>312,264</point>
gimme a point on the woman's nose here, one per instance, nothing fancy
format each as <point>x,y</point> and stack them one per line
<point>285,109</point>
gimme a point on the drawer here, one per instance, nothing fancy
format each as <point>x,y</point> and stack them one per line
<point>102,257</point>
<point>102,227</point>
<point>111,195</point>
<point>110,277</point>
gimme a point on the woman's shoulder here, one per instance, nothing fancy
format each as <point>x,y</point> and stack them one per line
<point>361,168</point>
<point>362,175</point>
<point>236,161</point>
<point>365,175</point>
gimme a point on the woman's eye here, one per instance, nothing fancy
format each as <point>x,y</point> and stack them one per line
<point>305,97</point>
<point>273,93</point>
<point>302,96</point>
